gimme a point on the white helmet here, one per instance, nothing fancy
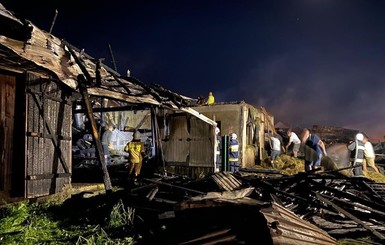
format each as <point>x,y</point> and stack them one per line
<point>359,136</point>
<point>233,136</point>
<point>137,135</point>
<point>217,130</point>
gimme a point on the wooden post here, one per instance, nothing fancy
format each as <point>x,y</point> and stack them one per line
<point>82,80</point>
<point>95,132</point>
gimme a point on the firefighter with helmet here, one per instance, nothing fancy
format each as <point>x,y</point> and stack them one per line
<point>233,153</point>
<point>217,150</point>
<point>357,147</point>
<point>135,148</point>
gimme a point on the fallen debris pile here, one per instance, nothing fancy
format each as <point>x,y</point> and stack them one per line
<point>343,206</point>
<point>260,207</point>
<point>254,206</point>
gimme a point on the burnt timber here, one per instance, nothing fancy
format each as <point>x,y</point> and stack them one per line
<point>263,208</point>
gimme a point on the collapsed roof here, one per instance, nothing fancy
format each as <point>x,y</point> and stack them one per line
<point>25,47</point>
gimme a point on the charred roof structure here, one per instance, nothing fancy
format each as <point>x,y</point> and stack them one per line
<point>331,134</point>
<point>42,78</point>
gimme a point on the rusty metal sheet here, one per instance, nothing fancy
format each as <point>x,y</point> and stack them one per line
<point>287,228</point>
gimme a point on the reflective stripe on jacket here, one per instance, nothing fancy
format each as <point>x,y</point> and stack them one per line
<point>233,150</point>
<point>359,156</point>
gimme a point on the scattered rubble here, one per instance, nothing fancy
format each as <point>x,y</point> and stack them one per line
<point>260,206</point>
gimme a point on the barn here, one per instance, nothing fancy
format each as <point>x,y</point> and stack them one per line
<point>43,81</point>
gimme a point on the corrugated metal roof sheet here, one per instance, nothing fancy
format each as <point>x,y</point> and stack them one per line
<point>287,228</point>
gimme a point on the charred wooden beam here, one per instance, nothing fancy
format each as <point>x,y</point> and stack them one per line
<point>144,187</point>
<point>88,79</point>
<point>215,237</point>
<point>70,46</point>
<point>95,134</point>
<point>133,107</point>
<point>272,188</point>
<point>352,217</point>
<point>378,197</point>
<point>144,86</point>
<point>98,77</point>
<point>358,206</point>
<point>349,196</point>
<point>112,58</point>
<point>142,121</point>
<point>94,129</point>
<point>48,176</point>
<point>174,186</point>
<point>152,193</point>
<point>102,92</point>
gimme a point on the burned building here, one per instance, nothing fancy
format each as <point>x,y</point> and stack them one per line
<point>43,80</point>
<point>53,93</point>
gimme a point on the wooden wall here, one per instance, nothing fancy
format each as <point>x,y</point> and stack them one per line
<point>48,137</point>
<point>7,113</point>
<point>189,143</point>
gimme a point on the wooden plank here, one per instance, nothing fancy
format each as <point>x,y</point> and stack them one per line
<point>199,115</point>
<point>95,132</point>
<point>50,131</point>
<point>7,115</point>
<point>226,180</point>
<point>351,216</point>
<point>174,186</point>
<point>348,195</point>
<point>102,92</point>
<point>48,176</point>
<point>142,121</point>
<point>373,192</point>
<point>225,186</point>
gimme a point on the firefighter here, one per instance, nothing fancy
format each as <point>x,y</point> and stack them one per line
<point>217,150</point>
<point>233,153</point>
<point>135,148</point>
<point>358,147</point>
<point>210,99</point>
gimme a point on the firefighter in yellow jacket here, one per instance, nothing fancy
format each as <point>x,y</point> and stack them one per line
<point>135,148</point>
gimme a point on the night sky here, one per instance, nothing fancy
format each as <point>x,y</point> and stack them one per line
<point>308,62</point>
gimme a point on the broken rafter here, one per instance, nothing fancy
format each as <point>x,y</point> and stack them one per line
<point>348,196</point>
<point>79,62</point>
<point>172,96</point>
<point>95,91</point>
<point>374,193</point>
<point>351,216</point>
<point>133,107</point>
